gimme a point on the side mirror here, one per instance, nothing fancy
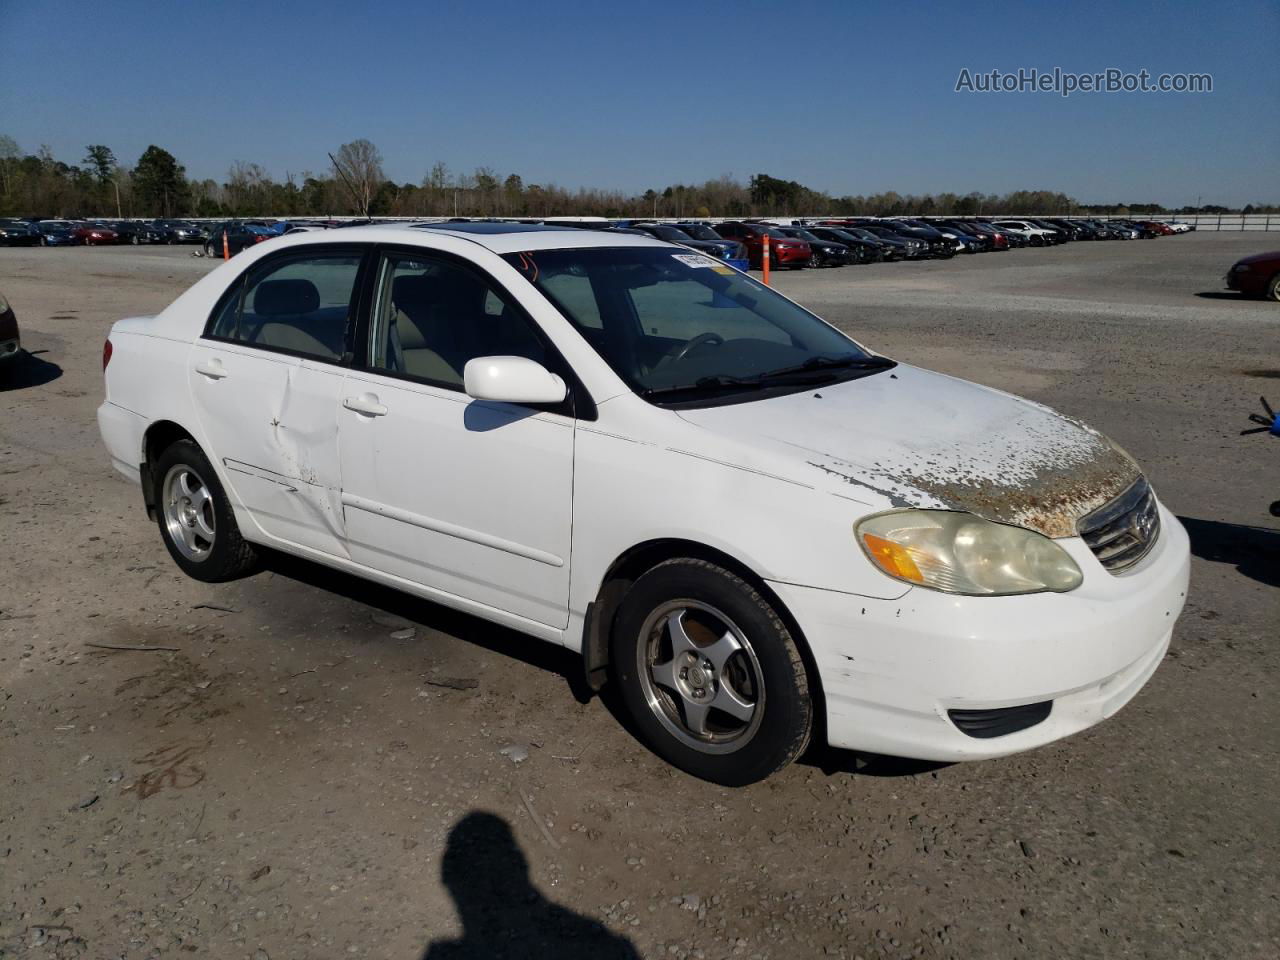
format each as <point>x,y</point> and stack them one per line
<point>511,380</point>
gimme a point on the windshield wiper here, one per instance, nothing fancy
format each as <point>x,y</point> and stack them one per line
<point>705,386</point>
<point>815,369</point>
<point>818,364</point>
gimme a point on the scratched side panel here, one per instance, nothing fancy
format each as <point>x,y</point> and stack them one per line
<point>271,424</point>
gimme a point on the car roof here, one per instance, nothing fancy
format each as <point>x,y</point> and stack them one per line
<point>488,227</point>
<point>500,238</point>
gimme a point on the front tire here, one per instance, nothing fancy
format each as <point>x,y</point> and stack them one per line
<point>196,521</point>
<point>710,673</point>
<point>1273,288</point>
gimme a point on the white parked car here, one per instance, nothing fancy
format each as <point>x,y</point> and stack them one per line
<point>757,527</point>
<point>1036,236</point>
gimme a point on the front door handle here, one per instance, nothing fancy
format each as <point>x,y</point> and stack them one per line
<point>366,404</point>
<point>212,369</point>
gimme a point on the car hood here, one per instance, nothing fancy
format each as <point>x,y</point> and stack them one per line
<point>1261,258</point>
<point>923,439</point>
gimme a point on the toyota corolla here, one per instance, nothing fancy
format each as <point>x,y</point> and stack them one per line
<point>754,525</point>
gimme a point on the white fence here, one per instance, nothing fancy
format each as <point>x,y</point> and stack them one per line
<point>1222,221</point>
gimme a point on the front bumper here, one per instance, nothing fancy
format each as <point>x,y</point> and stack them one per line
<point>892,669</point>
<point>789,255</point>
<point>1249,282</point>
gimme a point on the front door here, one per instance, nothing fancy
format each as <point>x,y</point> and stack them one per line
<point>471,499</point>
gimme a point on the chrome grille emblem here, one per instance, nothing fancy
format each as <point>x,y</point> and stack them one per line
<point>1120,533</point>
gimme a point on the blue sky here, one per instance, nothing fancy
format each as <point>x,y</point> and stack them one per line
<point>845,97</point>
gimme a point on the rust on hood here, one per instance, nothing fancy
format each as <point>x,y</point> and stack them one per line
<point>1045,476</point>
<point>1046,487</point>
<point>930,441</point>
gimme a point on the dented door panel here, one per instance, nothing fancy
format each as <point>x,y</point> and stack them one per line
<point>271,423</point>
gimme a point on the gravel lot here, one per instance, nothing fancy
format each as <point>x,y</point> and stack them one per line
<point>321,767</point>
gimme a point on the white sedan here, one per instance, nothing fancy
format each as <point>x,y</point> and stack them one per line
<point>1036,236</point>
<point>755,526</point>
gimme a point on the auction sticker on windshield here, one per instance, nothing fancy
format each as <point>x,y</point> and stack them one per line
<point>694,259</point>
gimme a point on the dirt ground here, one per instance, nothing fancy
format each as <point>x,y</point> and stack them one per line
<point>323,768</point>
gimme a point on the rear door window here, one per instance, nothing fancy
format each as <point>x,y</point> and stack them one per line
<point>302,305</point>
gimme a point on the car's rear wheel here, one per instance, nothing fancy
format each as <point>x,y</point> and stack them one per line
<point>710,673</point>
<point>196,521</point>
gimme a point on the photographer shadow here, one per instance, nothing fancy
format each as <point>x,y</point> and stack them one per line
<point>503,915</point>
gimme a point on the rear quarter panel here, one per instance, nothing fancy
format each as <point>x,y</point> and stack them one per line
<point>145,382</point>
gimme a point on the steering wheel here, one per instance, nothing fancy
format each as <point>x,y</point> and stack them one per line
<point>714,339</point>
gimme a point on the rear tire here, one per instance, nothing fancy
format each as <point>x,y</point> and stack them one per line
<point>195,517</point>
<point>710,673</point>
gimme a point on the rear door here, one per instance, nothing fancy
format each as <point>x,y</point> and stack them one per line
<point>266,380</point>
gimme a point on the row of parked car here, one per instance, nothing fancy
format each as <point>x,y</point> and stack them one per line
<point>852,240</point>
<point>792,243</point>
<point>32,232</point>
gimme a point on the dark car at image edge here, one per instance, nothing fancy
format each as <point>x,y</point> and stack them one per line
<point>10,340</point>
<point>18,233</point>
<point>1256,276</point>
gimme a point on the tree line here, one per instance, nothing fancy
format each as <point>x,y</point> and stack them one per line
<point>353,183</point>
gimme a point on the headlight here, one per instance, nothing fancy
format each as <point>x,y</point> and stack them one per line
<point>4,304</point>
<point>1240,268</point>
<point>962,553</point>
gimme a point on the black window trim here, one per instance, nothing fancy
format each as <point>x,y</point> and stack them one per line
<point>578,403</point>
<point>364,251</point>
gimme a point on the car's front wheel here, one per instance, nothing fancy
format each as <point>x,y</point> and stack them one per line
<point>710,673</point>
<point>1273,288</point>
<point>196,520</point>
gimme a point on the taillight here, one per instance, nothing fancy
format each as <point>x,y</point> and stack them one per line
<point>106,354</point>
<point>258,239</point>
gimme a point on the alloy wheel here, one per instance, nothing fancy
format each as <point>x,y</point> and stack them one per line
<point>700,676</point>
<point>188,512</point>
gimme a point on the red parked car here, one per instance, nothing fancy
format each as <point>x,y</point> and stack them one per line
<point>94,234</point>
<point>1257,276</point>
<point>784,251</point>
<point>1161,228</point>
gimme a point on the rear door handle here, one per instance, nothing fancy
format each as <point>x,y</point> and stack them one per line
<point>212,369</point>
<point>366,404</point>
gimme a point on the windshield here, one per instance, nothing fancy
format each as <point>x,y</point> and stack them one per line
<point>684,329</point>
<point>700,231</point>
<point>845,235</point>
<point>671,233</point>
<point>805,235</point>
